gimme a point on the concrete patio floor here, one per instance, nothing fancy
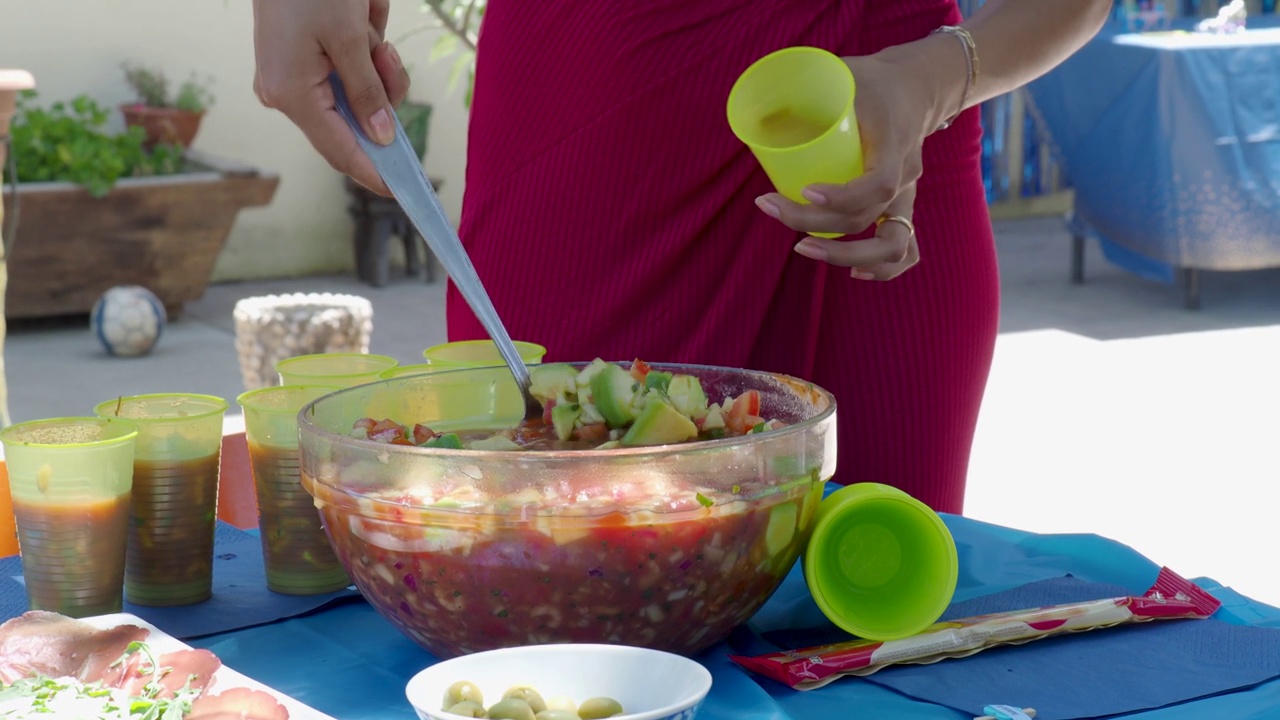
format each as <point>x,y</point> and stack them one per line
<point>1110,409</point>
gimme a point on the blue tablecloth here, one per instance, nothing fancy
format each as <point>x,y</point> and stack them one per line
<point>1172,142</point>
<point>348,662</point>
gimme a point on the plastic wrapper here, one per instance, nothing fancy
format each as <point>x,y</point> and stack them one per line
<point>1171,597</point>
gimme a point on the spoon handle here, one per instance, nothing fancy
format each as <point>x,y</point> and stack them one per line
<point>401,168</point>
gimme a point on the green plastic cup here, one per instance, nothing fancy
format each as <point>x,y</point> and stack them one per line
<point>70,481</point>
<point>407,370</point>
<point>297,554</point>
<point>174,511</point>
<point>341,370</point>
<point>880,564</point>
<point>478,353</point>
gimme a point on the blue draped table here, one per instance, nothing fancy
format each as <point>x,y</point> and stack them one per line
<point>1172,143</point>
<point>346,661</point>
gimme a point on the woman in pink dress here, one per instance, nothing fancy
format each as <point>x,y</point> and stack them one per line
<point>611,212</point>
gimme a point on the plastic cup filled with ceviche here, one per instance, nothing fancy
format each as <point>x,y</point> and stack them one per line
<point>656,506</point>
<point>174,505</point>
<point>70,480</point>
<point>295,550</point>
<point>338,369</point>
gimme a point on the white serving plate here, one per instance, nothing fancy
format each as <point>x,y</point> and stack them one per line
<point>161,642</point>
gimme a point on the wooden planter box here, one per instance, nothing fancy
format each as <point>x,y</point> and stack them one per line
<point>164,233</point>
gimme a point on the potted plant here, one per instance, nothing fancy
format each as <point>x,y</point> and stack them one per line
<point>100,209</point>
<point>166,120</point>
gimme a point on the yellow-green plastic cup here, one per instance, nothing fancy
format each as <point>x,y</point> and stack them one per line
<point>297,554</point>
<point>407,370</point>
<point>70,480</point>
<point>342,370</point>
<point>794,109</point>
<point>174,511</point>
<point>880,564</point>
<point>478,353</point>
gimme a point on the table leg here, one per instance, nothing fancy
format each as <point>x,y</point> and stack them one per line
<point>1191,288</point>
<point>1077,259</point>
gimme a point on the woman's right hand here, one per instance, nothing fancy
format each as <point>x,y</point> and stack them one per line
<point>298,43</point>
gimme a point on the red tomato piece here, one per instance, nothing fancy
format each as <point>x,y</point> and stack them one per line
<point>546,411</point>
<point>366,423</point>
<point>744,413</point>
<point>422,433</point>
<point>639,370</point>
<point>595,432</point>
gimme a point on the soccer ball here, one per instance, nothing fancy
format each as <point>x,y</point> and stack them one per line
<point>128,320</point>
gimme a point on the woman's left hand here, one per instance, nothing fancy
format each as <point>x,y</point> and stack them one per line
<point>897,106</point>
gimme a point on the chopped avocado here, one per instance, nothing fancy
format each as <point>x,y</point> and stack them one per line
<point>551,381</point>
<point>583,381</point>
<point>657,380</point>
<point>613,391</point>
<point>660,424</point>
<point>448,440</point>
<point>609,445</point>
<point>714,419</point>
<point>563,417</point>
<point>782,527</point>
<point>496,442</point>
<point>687,395</point>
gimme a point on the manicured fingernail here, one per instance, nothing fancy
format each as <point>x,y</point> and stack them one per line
<point>811,250</point>
<point>768,207</point>
<point>380,123</point>
<point>814,196</point>
<point>860,275</point>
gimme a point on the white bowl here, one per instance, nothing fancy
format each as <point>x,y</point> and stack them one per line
<point>650,685</point>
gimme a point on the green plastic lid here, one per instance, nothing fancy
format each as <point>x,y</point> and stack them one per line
<point>880,564</point>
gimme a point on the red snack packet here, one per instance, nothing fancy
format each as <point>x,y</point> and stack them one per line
<point>1172,597</point>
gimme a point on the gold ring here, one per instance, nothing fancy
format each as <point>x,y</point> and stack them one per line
<point>898,219</point>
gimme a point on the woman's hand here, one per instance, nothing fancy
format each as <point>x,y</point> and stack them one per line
<point>298,43</point>
<point>898,104</point>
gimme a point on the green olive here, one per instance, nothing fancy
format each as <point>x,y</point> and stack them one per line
<point>461,691</point>
<point>556,715</point>
<point>467,708</point>
<point>527,694</point>
<point>597,708</point>
<point>511,709</point>
<point>561,702</point>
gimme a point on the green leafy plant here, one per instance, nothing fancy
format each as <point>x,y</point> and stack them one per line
<point>460,20</point>
<point>152,89</point>
<point>68,142</point>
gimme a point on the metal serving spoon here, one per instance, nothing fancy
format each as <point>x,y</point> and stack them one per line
<point>401,169</point>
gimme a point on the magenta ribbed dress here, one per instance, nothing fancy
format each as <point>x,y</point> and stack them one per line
<point>609,210</point>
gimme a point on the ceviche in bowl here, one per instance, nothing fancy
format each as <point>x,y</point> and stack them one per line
<point>653,505</point>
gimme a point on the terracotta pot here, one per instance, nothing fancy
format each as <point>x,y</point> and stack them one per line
<point>169,126</point>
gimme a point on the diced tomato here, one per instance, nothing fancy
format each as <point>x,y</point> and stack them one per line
<point>595,432</point>
<point>546,411</point>
<point>639,370</point>
<point>744,413</point>
<point>402,440</point>
<point>386,434</point>
<point>422,433</point>
<point>366,423</point>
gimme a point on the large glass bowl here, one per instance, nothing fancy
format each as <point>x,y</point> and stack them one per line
<point>668,547</point>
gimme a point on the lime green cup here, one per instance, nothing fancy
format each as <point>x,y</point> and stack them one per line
<point>295,550</point>
<point>478,353</point>
<point>174,511</point>
<point>407,370</point>
<point>342,370</point>
<point>70,480</point>
<point>794,109</point>
<point>880,564</point>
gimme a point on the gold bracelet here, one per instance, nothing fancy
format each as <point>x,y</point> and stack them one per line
<point>971,62</point>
